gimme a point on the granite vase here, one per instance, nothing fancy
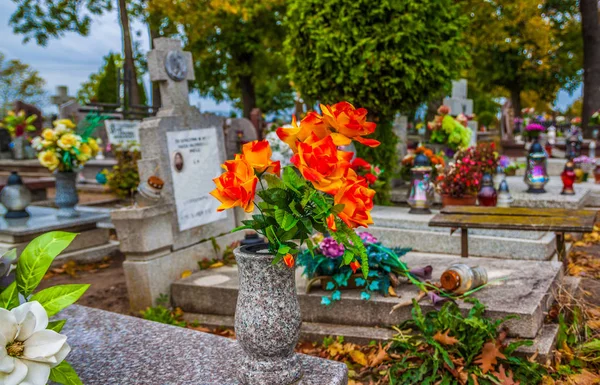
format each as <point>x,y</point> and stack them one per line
<point>66,194</point>
<point>267,319</point>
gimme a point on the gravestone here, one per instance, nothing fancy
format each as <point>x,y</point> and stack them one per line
<point>237,132</point>
<point>71,110</point>
<point>460,104</point>
<point>61,97</point>
<point>122,131</point>
<point>185,149</point>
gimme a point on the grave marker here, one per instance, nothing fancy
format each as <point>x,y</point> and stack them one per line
<point>122,131</point>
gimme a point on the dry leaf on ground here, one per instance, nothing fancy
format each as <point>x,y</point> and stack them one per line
<point>487,360</point>
<point>444,338</point>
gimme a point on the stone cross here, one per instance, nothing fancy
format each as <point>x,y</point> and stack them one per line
<point>61,97</point>
<point>172,68</point>
<point>458,102</point>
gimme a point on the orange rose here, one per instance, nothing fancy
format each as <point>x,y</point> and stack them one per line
<point>236,186</point>
<point>321,163</point>
<point>258,154</point>
<point>312,123</point>
<point>349,124</point>
<point>354,265</point>
<point>289,260</point>
<point>331,223</point>
<point>357,198</point>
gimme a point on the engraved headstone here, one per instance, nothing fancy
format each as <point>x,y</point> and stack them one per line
<point>184,148</point>
<point>122,131</point>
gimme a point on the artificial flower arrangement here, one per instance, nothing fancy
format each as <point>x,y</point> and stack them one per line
<point>61,148</point>
<point>17,124</point>
<point>463,177</point>
<point>509,166</point>
<point>533,130</point>
<point>576,121</point>
<point>437,162</point>
<point>368,171</point>
<point>325,264</point>
<point>32,350</point>
<point>449,131</point>
<point>319,191</point>
<point>583,167</point>
<point>123,179</point>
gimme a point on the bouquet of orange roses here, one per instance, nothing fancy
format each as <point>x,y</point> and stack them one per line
<point>319,191</point>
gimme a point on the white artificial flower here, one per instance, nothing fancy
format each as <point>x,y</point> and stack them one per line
<point>36,143</point>
<point>27,350</point>
<point>60,129</point>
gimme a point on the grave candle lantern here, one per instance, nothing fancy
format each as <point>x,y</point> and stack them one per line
<point>420,194</point>
<point>536,175</point>
<point>15,197</point>
<point>504,197</point>
<point>487,195</point>
<point>574,145</point>
<point>568,178</point>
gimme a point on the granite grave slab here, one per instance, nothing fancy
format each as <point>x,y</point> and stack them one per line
<point>110,348</point>
<point>525,290</point>
<point>551,199</point>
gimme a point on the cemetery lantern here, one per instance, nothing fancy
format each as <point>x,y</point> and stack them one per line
<point>15,196</point>
<point>568,178</point>
<point>536,175</point>
<point>420,194</point>
<point>574,145</point>
<point>487,195</point>
<point>504,197</point>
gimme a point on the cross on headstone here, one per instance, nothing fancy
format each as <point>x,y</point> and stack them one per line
<point>458,102</point>
<point>172,68</point>
<point>62,96</point>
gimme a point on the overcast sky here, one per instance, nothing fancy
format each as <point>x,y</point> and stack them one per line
<point>71,59</point>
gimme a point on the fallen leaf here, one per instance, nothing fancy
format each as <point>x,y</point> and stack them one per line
<point>584,378</point>
<point>216,264</point>
<point>377,358</point>
<point>444,338</point>
<point>186,273</point>
<point>359,357</point>
<point>488,357</point>
<point>504,378</point>
<point>392,292</point>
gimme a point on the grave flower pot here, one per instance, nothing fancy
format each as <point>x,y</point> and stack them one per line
<point>18,148</point>
<point>465,200</point>
<point>66,194</point>
<point>267,319</point>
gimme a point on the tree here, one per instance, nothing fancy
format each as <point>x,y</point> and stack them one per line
<point>18,81</point>
<point>107,91</point>
<point>519,45</point>
<point>591,62</point>
<point>386,56</point>
<point>42,20</point>
<point>236,48</point>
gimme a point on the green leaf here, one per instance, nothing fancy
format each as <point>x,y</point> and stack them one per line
<point>338,208</point>
<point>285,219</point>
<point>9,298</point>
<point>292,179</point>
<point>283,249</point>
<point>273,181</point>
<point>65,374</point>
<point>37,257</point>
<point>244,227</point>
<point>288,235</point>
<point>56,298</point>
<point>56,325</point>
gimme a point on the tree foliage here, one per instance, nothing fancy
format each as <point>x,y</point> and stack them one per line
<point>18,81</point>
<point>387,56</point>
<point>524,45</point>
<point>236,47</point>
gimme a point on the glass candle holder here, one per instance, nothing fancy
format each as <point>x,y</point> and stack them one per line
<point>536,175</point>
<point>420,194</point>
<point>568,178</point>
<point>487,195</point>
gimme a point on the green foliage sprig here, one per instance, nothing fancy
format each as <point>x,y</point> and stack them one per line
<point>124,177</point>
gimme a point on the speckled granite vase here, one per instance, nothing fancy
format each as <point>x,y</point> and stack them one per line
<point>66,194</point>
<point>267,319</point>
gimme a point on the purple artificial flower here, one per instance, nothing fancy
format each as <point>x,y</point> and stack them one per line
<point>535,127</point>
<point>437,300</point>
<point>367,237</point>
<point>504,161</point>
<point>584,160</point>
<point>423,273</point>
<point>330,248</point>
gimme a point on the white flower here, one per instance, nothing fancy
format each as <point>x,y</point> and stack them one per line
<point>36,143</point>
<point>27,350</point>
<point>60,129</point>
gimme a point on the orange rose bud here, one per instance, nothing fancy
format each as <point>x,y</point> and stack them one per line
<point>311,124</point>
<point>321,163</point>
<point>357,198</point>
<point>289,260</point>
<point>354,265</point>
<point>236,186</point>
<point>443,110</point>
<point>349,124</point>
<point>258,153</point>
<point>331,223</point>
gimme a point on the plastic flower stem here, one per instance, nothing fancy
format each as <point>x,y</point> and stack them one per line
<point>404,268</point>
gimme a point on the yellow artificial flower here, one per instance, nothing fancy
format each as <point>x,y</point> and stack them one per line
<point>85,153</point>
<point>65,122</point>
<point>67,141</point>
<point>49,159</point>
<point>94,146</point>
<point>49,135</point>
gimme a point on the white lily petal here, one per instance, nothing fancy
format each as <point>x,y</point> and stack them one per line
<point>62,354</point>
<point>8,325</point>
<point>43,344</point>
<point>7,363</point>
<point>16,376</point>
<point>37,373</point>
<point>32,317</point>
